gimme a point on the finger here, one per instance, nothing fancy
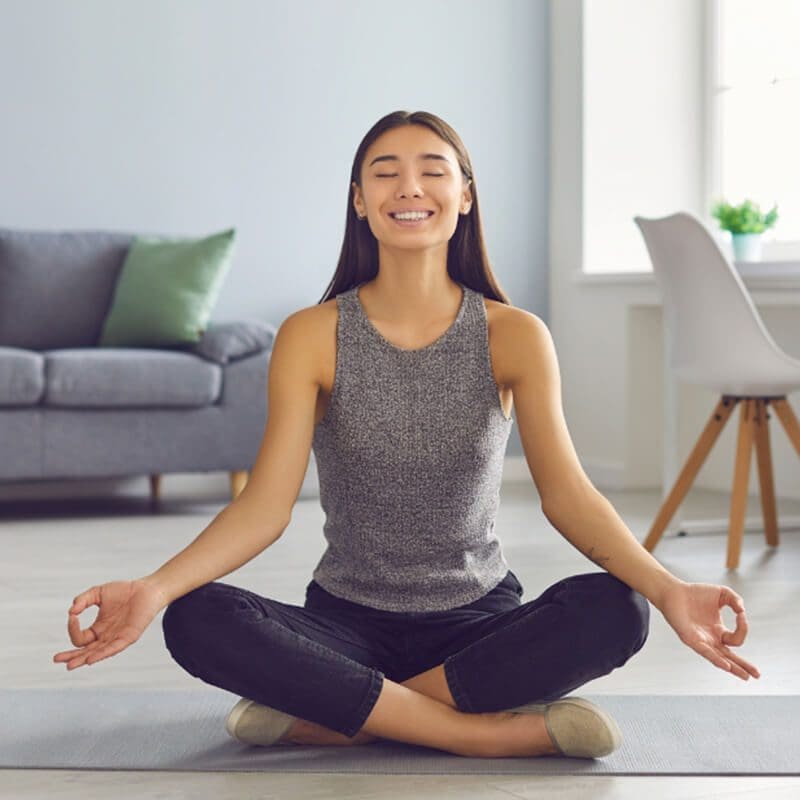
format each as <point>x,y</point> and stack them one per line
<point>92,655</point>
<point>739,634</point>
<point>751,669</point>
<point>79,660</point>
<point>729,598</point>
<point>737,670</point>
<point>732,663</point>
<point>65,655</point>
<point>77,636</point>
<point>91,597</point>
<point>718,660</point>
<point>108,650</point>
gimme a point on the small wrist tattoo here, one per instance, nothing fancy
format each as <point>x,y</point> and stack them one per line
<point>598,559</point>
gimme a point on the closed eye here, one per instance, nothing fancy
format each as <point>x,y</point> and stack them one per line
<point>394,175</point>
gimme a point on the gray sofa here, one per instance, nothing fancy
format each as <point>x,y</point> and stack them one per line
<point>72,410</point>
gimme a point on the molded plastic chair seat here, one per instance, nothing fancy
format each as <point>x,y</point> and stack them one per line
<point>716,338</point>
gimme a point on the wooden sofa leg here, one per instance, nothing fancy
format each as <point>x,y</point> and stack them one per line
<point>238,481</point>
<point>155,488</point>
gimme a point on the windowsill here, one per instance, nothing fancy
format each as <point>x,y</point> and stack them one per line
<point>756,274</point>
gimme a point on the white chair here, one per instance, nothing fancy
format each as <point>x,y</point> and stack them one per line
<point>717,339</point>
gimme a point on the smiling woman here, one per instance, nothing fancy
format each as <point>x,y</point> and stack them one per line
<point>401,380</point>
<point>442,194</point>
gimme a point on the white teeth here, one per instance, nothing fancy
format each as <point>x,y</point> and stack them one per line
<point>410,215</point>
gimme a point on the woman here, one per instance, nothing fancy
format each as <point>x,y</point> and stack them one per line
<point>412,628</point>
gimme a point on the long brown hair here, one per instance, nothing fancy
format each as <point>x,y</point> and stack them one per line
<point>467,260</point>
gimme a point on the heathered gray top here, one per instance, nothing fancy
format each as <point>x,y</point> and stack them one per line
<point>409,456</point>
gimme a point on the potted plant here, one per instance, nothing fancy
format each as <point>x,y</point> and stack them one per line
<point>745,223</point>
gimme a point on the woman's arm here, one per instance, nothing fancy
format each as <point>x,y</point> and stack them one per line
<point>593,526</point>
<point>235,536</point>
<point>570,502</point>
<point>262,511</point>
<point>242,530</point>
<point>587,520</point>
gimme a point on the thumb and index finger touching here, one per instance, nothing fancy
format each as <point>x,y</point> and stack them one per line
<point>77,636</point>
<point>730,598</point>
<point>80,638</point>
<point>711,642</point>
<point>91,597</point>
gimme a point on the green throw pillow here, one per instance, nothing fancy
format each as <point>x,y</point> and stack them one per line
<point>166,290</point>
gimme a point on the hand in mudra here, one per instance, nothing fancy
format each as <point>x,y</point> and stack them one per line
<point>694,610</point>
<point>126,608</point>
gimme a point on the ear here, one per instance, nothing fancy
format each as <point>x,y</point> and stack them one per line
<point>466,198</point>
<point>358,201</point>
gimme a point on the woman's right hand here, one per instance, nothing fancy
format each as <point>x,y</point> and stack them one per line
<point>126,608</point>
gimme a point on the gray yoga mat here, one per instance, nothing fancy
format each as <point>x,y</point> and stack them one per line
<point>134,729</point>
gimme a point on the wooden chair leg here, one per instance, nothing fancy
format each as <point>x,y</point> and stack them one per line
<point>764,456</point>
<point>788,420</point>
<point>238,481</point>
<point>155,488</point>
<point>741,478</point>
<point>690,469</point>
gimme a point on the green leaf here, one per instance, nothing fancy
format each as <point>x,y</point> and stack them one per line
<point>744,218</point>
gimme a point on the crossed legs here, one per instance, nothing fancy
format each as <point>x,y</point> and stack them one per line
<point>281,656</point>
<point>421,710</point>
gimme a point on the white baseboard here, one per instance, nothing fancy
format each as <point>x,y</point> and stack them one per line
<point>605,475</point>
<point>787,523</point>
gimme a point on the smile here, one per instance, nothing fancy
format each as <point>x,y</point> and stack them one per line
<point>412,222</point>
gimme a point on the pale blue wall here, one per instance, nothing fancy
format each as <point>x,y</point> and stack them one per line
<point>189,116</point>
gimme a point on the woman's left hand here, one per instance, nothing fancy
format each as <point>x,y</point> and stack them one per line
<point>694,610</point>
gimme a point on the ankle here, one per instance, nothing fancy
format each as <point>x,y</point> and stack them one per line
<point>511,734</point>
<point>305,732</point>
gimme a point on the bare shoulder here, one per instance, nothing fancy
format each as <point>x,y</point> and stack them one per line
<point>316,327</point>
<point>317,315</point>
<point>514,335</point>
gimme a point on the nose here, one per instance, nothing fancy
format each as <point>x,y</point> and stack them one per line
<point>408,185</point>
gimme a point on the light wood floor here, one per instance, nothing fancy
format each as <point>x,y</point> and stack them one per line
<point>51,550</point>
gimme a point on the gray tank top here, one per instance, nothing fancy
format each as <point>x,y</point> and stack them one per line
<point>410,456</point>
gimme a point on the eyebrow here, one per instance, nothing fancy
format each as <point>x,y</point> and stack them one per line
<point>422,157</point>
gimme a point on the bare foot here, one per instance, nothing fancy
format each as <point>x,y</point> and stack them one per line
<point>306,732</point>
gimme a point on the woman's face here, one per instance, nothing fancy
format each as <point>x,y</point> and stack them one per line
<point>410,168</point>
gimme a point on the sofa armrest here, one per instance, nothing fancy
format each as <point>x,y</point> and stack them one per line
<point>224,342</point>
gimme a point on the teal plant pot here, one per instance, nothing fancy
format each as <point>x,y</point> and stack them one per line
<point>746,246</point>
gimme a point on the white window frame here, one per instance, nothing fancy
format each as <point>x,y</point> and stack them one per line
<point>783,251</point>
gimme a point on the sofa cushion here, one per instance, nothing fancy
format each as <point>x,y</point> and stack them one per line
<point>224,342</point>
<point>166,290</point>
<point>56,287</point>
<point>21,377</point>
<point>129,378</point>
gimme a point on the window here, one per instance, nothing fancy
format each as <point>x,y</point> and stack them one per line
<point>756,93</point>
